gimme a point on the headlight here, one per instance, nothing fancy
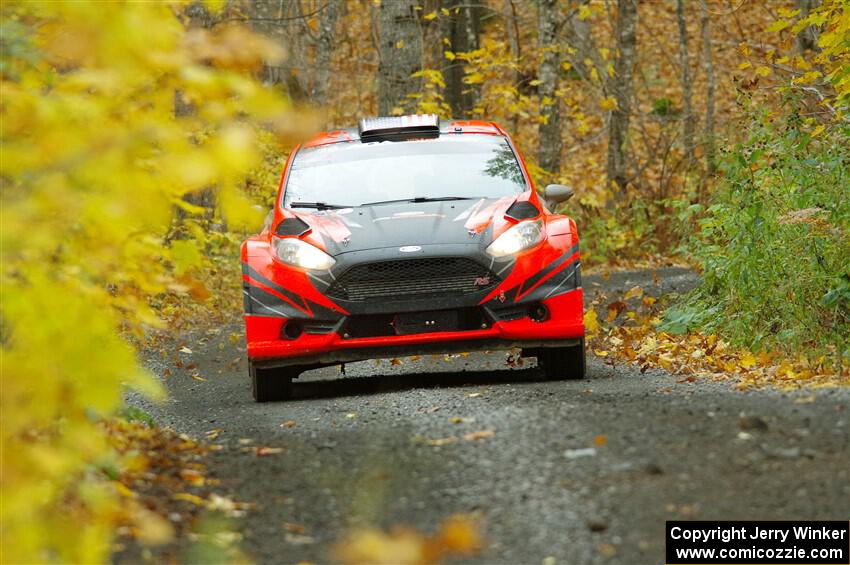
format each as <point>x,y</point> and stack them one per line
<point>299,253</point>
<point>522,236</point>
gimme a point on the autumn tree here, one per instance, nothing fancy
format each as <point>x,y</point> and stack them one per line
<point>621,89</point>
<point>549,130</point>
<point>325,43</point>
<point>687,102</point>
<point>95,161</point>
<point>710,88</point>
<point>400,55</point>
<point>464,28</point>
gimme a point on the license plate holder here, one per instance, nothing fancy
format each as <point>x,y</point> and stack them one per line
<point>425,322</point>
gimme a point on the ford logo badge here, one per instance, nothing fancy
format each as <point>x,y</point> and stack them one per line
<point>410,249</point>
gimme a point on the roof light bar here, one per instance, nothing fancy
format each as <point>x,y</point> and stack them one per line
<point>399,128</point>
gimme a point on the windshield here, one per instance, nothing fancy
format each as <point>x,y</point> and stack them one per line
<point>354,173</point>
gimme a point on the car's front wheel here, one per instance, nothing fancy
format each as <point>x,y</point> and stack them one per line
<point>562,363</point>
<point>269,385</point>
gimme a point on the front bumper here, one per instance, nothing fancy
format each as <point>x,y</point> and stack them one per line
<point>563,326</point>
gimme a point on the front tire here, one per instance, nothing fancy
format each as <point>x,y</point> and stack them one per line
<point>563,363</point>
<point>269,385</point>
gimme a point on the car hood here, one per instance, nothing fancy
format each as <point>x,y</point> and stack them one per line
<point>407,224</point>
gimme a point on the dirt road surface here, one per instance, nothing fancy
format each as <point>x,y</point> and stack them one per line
<point>362,451</point>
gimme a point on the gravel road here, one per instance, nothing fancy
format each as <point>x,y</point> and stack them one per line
<point>362,451</point>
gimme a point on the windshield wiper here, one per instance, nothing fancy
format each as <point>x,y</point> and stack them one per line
<point>318,205</point>
<point>417,199</point>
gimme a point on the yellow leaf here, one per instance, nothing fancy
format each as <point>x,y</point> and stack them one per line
<point>778,25</point>
<point>763,70</point>
<point>745,65</point>
<point>748,360</point>
<point>634,292</point>
<point>591,324</point>
<point>399,44</point>
<point>787,12</point>
<point>194,499</point>
<point>608,103</point>
<point>817,131</point>
<point>584,12</point>
<point>430,16</point>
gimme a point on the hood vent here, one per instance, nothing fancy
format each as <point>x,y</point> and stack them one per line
<point>522,211</point>
<point>292,226</point>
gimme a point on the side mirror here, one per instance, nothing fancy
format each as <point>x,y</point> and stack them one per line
<point>557,193</point>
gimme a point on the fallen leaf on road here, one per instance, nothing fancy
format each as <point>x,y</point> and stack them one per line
<point>482,434</point>
<point>288,424</point>
<point>395,361</point>
<point>188,497</point>
<point>600,440</point>
<point>263,451</point>
<point>294,528</point>
<point>186,350</point>
<point>199,378</point>
<point>473,394</point>
<point>298,539</point>
<point>614,309</point>
<point>581,452</point>
<point>214,433</point>
<point>634,292</point>
<point>245,441</point>
<point>607,550</point>
<point>192,476</point>
<point>441,441</point>
<point>804,400</point>
<point>351,415</point>
<point>591,322</point>
<point>416,358</point>
<point>460,420</point>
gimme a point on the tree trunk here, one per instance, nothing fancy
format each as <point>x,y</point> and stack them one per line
<point>324,49</point>
<point>401,54</point>
<point>687,110</point>
<point>464,32</point>
<point>284,23</point>
<point>710,87</point>
<point>549,132</point>
<point>807,39</point>
<point>621,88</point>
<point>512,28</point>
<point>197,16</point>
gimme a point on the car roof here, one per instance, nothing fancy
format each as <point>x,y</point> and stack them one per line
<point>396,126</point>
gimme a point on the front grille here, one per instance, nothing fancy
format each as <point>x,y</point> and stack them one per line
<point>413,278</point>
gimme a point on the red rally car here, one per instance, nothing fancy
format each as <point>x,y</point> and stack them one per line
<point>410,235</point>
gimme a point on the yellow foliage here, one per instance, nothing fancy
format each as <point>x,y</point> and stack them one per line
<point>94,161</point>
<point>608,103</point>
